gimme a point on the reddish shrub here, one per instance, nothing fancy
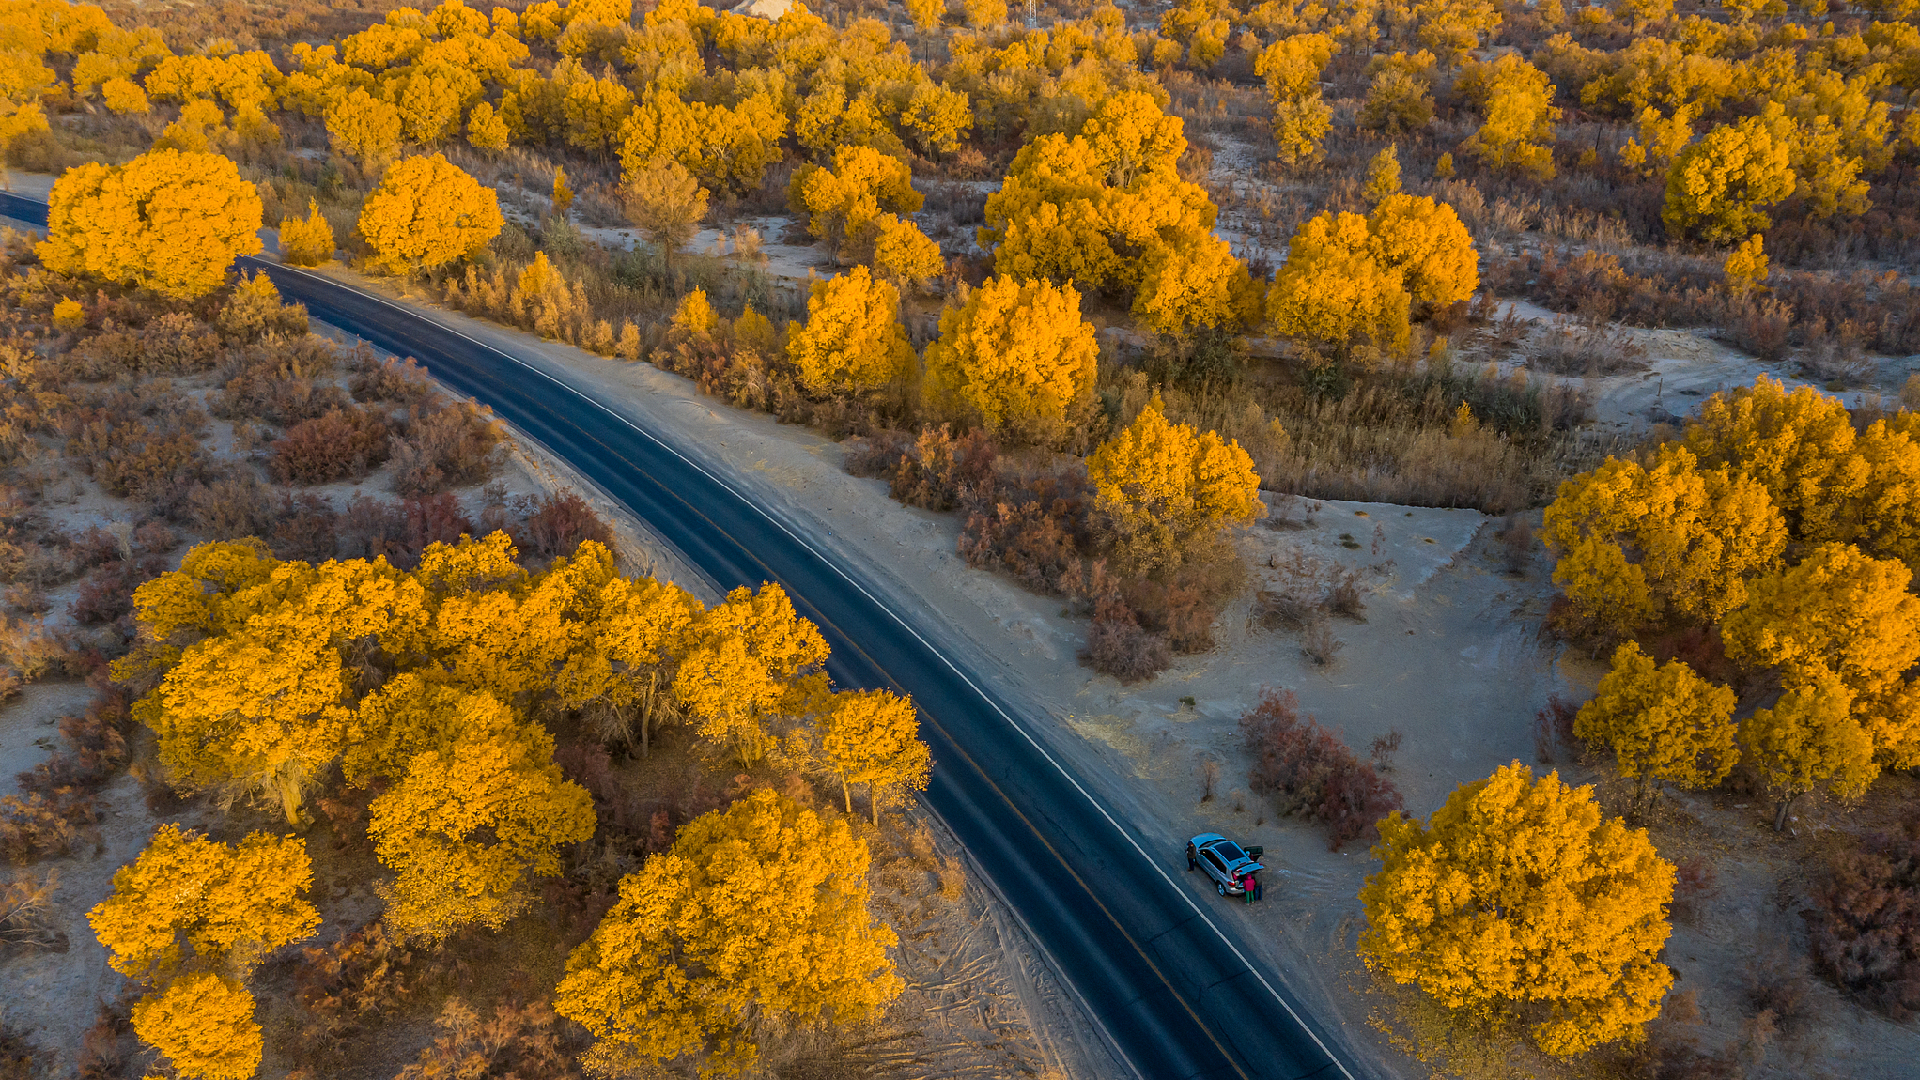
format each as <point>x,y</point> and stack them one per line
<point>1864,927</point>
<point>106,593</point>
<point>940,472</point>
<point>557,525</point>
<point>1309,771</point>
<point>307,528</point>
<point>282,383</point>
<point>400,531</point>
<point>229,507</point>
<point>342,444</point>
<point>1117,646</point>
<point>1695,882</point>
<point>401,381</point>
<point>447,447</point>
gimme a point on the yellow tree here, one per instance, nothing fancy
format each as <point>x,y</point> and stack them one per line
<point>1399,99</point>
<point>620,674</point>
<point>1746,266</point>
<point>1639,546</point>
<point>1840,614</point>
<point>1516,103</point>
<point>937,116</point>
<point>1383,176</point>
<point>308,241</point>
<point>872,737</point>
<point>1663,723</point>
<point>902,253</point>
<point>485,130</point>
<point>1291,67</point>
<point>852,341</point>
<point>926,14</point>
<point>168,221</point>
<point>562,197</point>
<point>203,1024</point>
<point>1426,241</point>
<point>1332,288</point>
<point>190,918</point>
<point>426,213</point>
<point>744,658</point>
<point>842,200</point>
<point>1195,282</point>
<point>1810,738</point>
<point>1014,356</point>
<point>1165,489</point>
<point>1719,189</point>
<point>760,910</point>
<point>665,202</point>
<point>469,823</point>
<point>364,128</point>
<point>1799,446</point>
<point>1519,894</point>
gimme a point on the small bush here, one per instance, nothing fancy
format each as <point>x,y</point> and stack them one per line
<point>518,1040</point>
<point>557,524</point>
<point>230,507</point>
<point>282,384</point>
<point>1117,646</point>
<point>940,472</point>
<point>340,445</point>
<point>1864,927</point>
<point>1307,770</point>
<point>305,529</point>
<point>27,922</point>
<point>39,826</point>
<point>401,531</point>
<point>175,344</point>
<point>403,382</point>
<point>106,593</point>
<point>443,448</point>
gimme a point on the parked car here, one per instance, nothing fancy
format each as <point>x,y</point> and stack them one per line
<point>1232,867</point>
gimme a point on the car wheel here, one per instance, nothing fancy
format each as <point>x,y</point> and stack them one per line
<point>1220,888</point>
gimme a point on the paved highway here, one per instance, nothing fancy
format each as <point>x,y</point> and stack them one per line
<point>1150,953</point>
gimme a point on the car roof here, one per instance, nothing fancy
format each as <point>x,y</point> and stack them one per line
<point>1206,838</point>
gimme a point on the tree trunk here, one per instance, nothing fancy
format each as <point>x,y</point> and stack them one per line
<point>290,800</point>
<point>847,795</point>
<point>873,798</point>
<point>646,709</point>
<point>1780,813</point>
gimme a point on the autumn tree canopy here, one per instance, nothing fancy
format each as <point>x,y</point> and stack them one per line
<point>1164,489</point>
<point>168,221</point>
<point>1519,895</point>
<point>1662,722</point>
<point>1017,356</point>
<point>426,213</point>
<point>852,341</point>
<point>759,910</point>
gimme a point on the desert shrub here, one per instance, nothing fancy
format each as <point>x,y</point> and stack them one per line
<point>556,523</point>
<point>403,382</point>
<point>143,446</point>
<point>106,593</point>
<point>172,344</point>
<point>229,507</point>
<point>27,922</point>
<point>1307,770</point>
<point>339,445</point>
<point>940,472</point>
<point>517,1040</point>
<point>254,311</point>
<point>282,383</point>
<point>400,531</point>
<point>305,528</point>
<point>447,447</point>
<point>1034,529</point>
<point>1864,926</point>
<point>38,826</point>
<point>1118,646</point>
<point>1586,347</point>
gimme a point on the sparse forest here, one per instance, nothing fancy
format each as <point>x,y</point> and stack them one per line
<point>1106,285</point>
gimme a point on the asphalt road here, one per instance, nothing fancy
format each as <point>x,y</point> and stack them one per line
<point>1147,950</point>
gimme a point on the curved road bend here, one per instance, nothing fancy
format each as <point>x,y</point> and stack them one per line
<point>1150,956</point>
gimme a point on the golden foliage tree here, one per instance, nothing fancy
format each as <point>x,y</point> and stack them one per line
<point>168,221</point>
<point>486,131</point>
<point>1663,723</point>
<point>902,253</point>
<point>843,200</point>
<point>562,197</point>
<point>1799,446</point>
<point>203,1024</point>
<point>1746,266</point>
<point>1639,546</point>
<point>666,203</point>
<point>1810,738</point>
<point>852,341</point>
<point>1015,356</point>
<point>759,910</point>
<point>1332,289</point>
<point>1301,118</point>
<point>364,128</point>
<point>872,737</point>
<point>1719,189</point>
<point>1516,103</point>
<point>744,659</point>
<point>1518,895</point>
<point>1428,243</point>
<point>1840,614</point>
<point>1192,284</point>
<point>1165,489</point>
<point>936,117</point>
<point>1383,176</point>
<point>306,241</point>
<point>426,213</point>
<point>619,676</point>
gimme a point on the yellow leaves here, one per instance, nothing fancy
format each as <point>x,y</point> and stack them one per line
<point>1194,282</point>
<point>1843,615</point>
<point>169,221</point>
<point>665,202</point>
<point>1428,243</point>
<point>1808,738</point>
<point>844,199</point>
<point>485,130</point>
<point>125,97</point>
<point>720,145</point>
<point>872,737</point>
<point>694,315</point>
<point>187,900</point>
<point>427,213</point>
<point>1161,486</point>
<point>1719,188</point>
<point>902,253</point>
<point>1383,176</point>
<point>1332,289</point>
<point>852,341</point>
<point>365,128</point>
<point>1131,136</point>
<point>1798,446</point>
<point>472,819</point>
<point>308,241</point>
<point>1663,723</point>
<point>1517,893</point>
<point>938,115</point>
<point>204,1025</point>
<point>760,909</point>
<point>1516,101</point>
<point>742,656</point>
<point>1013,355</point>
<point>1291,67</point>
<point>1746,266</point>
<point>1638,546</point>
